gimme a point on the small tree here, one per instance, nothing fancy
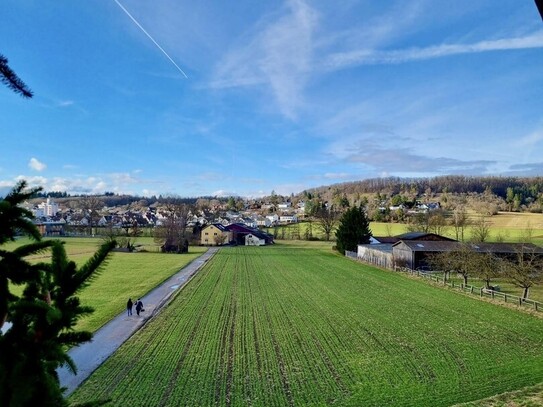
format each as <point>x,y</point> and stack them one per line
<point>172,233</point>
<point>420,222</point>
<point>353,229</point>
<point>220,239</point>
<point>326,221</point>
<point>460,260</point>
<point>91,206</point>
<point>526,270</point>
<point>486,267</point>
<point>459,221</point>
<point>480,231</point>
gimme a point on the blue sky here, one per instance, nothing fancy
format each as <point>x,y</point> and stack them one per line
<point>279,96</point>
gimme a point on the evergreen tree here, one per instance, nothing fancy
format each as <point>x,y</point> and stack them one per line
<point>42,317</point>
<point>353,229</point>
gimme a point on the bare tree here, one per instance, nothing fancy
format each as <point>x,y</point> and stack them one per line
<point>172,232</point>
<point>437,222</point>
<point>526,271</point>
<point>486,267</point>
<point>420,222</point>
<point>91,207</point>
<point>480,230</point>
<point>326,220</point>
<point>459,222</point>
<point>461,260</point>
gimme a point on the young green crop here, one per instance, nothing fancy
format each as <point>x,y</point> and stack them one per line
<point>292,326</point>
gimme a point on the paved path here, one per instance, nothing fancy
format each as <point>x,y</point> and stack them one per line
<point>106,340</point>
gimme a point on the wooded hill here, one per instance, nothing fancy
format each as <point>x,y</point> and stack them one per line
<point>514,191</point>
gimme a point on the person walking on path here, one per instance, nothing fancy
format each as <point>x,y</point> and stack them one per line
<point>129,305</point>
<point>139,306</point>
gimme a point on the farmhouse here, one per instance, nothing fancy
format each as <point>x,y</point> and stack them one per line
<point>215,234</point>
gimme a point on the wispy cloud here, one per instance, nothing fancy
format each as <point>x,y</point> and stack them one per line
<point>377,57</point>
<point>279,56</point>
<point>36,165</point>
<point>530,139</point>
<point>402,161</point>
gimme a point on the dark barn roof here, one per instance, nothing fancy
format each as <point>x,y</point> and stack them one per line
<point>423,236</point>
<point>445,246</point>
<point>241,229</point>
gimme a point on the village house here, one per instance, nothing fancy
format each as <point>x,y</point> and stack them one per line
<point>288,218</point>
<point>215,234</point>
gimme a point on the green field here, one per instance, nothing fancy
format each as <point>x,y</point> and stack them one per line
<point>298,326</point>
<point>123,275</point>
<point>506,226</point>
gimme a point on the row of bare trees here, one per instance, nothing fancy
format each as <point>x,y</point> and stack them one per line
<point>524,269</point>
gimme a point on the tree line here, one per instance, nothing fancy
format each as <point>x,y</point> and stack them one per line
<point>523,269</point>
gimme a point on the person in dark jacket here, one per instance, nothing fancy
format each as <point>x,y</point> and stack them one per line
<point>129,305</point>
<point>139,306</point>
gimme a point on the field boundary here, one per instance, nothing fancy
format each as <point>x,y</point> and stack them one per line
<point>482,292</point>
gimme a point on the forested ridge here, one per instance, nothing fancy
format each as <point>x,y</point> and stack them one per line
<point>523,190</point>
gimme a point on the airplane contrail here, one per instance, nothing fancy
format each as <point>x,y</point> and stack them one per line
<point>151,38</point>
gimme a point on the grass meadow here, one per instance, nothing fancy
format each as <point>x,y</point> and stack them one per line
<point>505,226</point>
<point>124,275</point>
<point>296,325</point>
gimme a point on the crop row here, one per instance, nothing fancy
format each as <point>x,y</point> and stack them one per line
<point>286,326</point>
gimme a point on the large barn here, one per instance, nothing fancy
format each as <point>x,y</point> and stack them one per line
<point>412,250</point>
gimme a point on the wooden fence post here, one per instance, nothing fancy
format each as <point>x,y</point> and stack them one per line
<point>519,300</point>
<point>505,297</point>
<point>480,292</point>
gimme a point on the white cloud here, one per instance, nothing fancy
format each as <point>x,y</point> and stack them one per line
<point>530,139</point>
<point>5,184</point>
<point>66,103</point>
<point>36,165</point>
<point>374,57</point>
<point>221,193</point>
<point>280,56</point>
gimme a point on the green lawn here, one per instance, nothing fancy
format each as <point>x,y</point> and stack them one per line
<point>124,275</point>
<point>128,275</point>
<point>298,326</point>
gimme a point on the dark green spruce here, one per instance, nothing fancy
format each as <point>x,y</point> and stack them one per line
<point>353,229</point>
<point>44,315</point>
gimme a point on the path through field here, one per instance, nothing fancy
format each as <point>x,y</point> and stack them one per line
<point>106,340</point>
